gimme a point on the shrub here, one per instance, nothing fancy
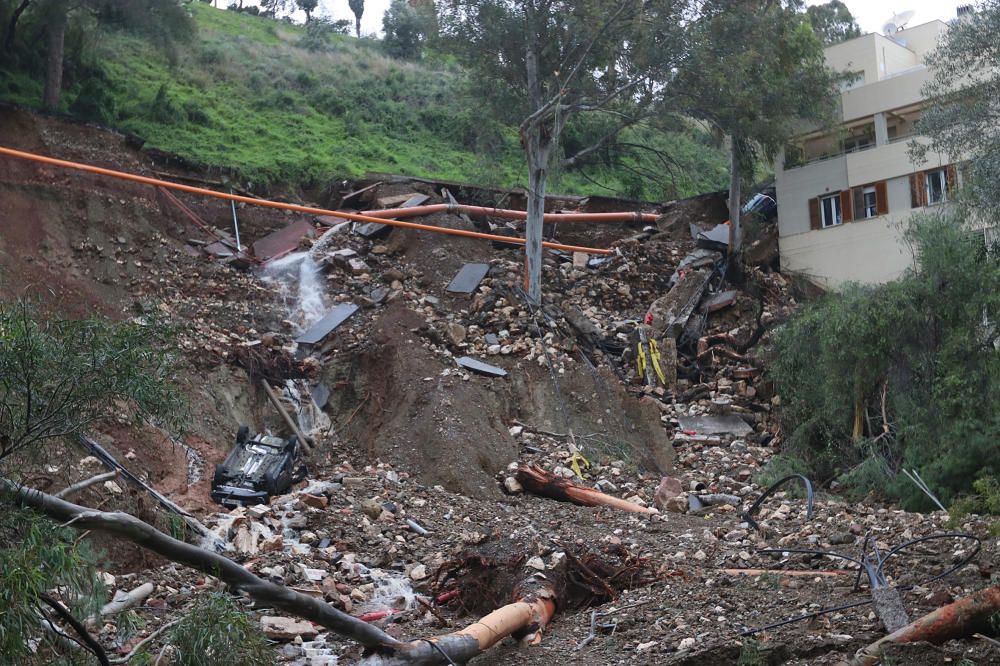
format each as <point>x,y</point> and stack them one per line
<point>164,109</point>
<point>217,631</point>
<point>923,346</point>
<point>36,558</point>
<point>94,102</point>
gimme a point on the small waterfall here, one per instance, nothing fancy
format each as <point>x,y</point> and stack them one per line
<point>299,280</point>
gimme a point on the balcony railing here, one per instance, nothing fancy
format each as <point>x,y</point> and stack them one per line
<point>826,156</point>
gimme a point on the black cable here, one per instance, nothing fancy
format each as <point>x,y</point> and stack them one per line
<point>438,648</point>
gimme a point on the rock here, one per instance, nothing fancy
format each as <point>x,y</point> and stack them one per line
<point>536,563</point>
<point>358,266</point>
<point>315,501</point>
<point>512,486</point>
<point>841,538</point>
<point>286,629</point>
<point>687,644</point>
<point>563,472</point>
<point>456,332</point>
<point>678,504</point>
<point>372,508</point>
<point>580,259</point>
<point>419,572</point>
<point>669,487</point>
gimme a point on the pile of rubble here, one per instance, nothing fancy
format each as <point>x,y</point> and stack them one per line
<point>659,317</point>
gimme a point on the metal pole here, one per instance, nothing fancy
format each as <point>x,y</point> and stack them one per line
<point>236,224</point>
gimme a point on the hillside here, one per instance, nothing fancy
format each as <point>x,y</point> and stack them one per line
<point>243,95</point>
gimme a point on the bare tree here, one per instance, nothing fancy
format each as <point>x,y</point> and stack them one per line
<point>543,62</point>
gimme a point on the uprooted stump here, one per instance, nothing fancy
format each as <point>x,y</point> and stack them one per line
<point>579,576</point>
<point>537,481</point>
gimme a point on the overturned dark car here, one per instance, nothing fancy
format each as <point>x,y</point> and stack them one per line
<point>257,468</point>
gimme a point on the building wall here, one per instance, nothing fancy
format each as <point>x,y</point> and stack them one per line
<point>894,92</point>
<point>865,251</point>
<point>794,188</point>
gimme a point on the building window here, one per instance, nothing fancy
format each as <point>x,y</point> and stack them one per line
<point>937,186</point>
<point>869,207</point>
<point>830,210</point>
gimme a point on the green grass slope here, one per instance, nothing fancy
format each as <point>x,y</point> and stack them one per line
<point>243,95</point>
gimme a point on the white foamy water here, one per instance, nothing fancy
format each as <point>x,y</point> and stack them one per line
<point>299,280</point>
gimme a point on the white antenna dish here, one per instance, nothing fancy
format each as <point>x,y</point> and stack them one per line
<point>900,20</point>
<point>889,29</point>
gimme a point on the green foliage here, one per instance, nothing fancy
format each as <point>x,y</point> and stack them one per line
<point>926,346</point>
<point>218,632</point>
<point>35,558</point>
<point>961,120</point>
<point>244,95</point>
<point>57,375</point>
<point>984,501</point>
<point>95,102</point>
<point>751,655</point>
<point>404,31</point>
<point>833,22</point>
<point>753,70</point>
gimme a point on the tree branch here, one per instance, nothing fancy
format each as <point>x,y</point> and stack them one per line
<point>135,530</point>
<point>78,627</point>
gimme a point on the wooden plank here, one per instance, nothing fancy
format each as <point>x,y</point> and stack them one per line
<point>282,241</point>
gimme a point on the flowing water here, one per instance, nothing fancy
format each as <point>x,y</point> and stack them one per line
<point>299,280</point>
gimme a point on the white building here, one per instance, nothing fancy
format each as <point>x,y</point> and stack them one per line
<point>844,195</point>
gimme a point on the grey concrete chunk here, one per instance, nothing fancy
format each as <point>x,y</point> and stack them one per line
<point>480,367</point>
<point>468,278</point>
<point>728,424</point>
<point>324,326</point>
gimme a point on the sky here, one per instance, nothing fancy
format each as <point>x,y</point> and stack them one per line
<point>870,14</point>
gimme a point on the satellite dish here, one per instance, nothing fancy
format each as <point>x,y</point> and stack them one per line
<point>889,29</point>
<point>901,19</point>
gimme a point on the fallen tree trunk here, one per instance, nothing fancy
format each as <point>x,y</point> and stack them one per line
<point>962,618</point>
<point>531,612</point>
<point>231,573</point>
<point>536,480</point>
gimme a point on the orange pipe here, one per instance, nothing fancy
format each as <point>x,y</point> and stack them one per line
<point>266,203</point>
<point>416,211</point>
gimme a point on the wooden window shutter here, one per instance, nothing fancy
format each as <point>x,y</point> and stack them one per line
<point>952,175</point>
<point>815,222</point>
<point>846,206</point>
<point>918,190</point>
<point>881,198</point>
<point>858,195</point>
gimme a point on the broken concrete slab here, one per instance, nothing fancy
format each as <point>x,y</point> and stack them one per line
<point>725,424</point>
<point>467,280</point>
<point>402,200</point>
<point>480,367</point>
<point>282,241</point>
<point>286,629</point>
<point>327,324</point>
<point>668,314</point>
